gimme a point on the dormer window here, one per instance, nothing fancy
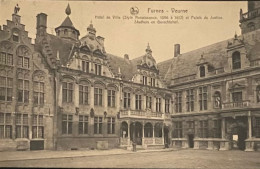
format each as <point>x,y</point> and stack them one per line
<point>65,32</point>
<point>98,69</point>
<point>202,71</point>
<point>144,80</point>
<point>153,82</point>
<point>15,37</point>
<point>236,60</point>
<point>85,66</point>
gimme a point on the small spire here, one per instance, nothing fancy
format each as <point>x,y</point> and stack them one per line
<point>68,11</point>
<point>148,49</point>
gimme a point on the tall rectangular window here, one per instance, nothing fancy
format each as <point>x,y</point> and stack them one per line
<point>256,126</point>
<point>6,59</point>
<point>167,105</point>
<point>203,129</point>
<point>177,132</point>
<point>23,90</point>
<point>149,102</point>
<point>127,100</point>
<point>23,62</point>
<point>97,125</point>
<point>67,92</point>
<point>83,94</point>
<point>158,104</point>
<point>21,126</point>
<point>83,124</point>
<point>178,102</point>
<point>85,66</point>
<point>5,125</point>
<point>190,100</point>
<point>237,96</point>
<point>138,102</point>
<point>67,121</point>
<point>6,88</point>
<point>217,128</point>
<point>38,93</point>
<point>98,97</point>
<point>98,69</point>
<point>111,98</point>
<point>37,126</point>
<point>111,125</point>
<point>144,80</point>
<point>152,82</point>
<point>203,98</point>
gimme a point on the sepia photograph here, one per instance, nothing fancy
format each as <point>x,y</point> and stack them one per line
<point>129,84</point>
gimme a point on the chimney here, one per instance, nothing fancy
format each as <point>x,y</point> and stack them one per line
<point>126,57</point>
<point>177,50</point>
<point>41,24</point>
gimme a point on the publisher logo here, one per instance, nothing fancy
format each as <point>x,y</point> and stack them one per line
<point>134,10</point>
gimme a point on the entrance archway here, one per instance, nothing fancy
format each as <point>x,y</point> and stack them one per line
<point>136,132</point>
<point>124,130</point>
<point>239,133</point>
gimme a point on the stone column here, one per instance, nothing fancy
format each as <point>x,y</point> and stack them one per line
<point>162,134</point>
<point>128,130</point>
<point>249,142</point>
<point>223,128</point>
<point>249,127</point>
<point>143,133</point>
<point>91,96</point>
<point>76,95</point>
<point>153,134</point>
<point>105,99</point>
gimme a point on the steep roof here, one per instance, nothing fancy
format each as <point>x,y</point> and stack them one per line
<point>67,23</point>
<point>215,55</point>
<point>127,67</point>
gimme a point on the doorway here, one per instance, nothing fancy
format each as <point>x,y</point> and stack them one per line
<point>191,140</point>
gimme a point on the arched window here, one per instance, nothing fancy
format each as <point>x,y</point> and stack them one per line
<point>202,71</point>
<point>124,129</point>
<point>217,100</point>
<point>15,37</point>
<point>258,94</point>
<point>158,130</point>
<point>84,88</point>
<point>65,32</point>
<point>236,60</point>
<point>148,130</point>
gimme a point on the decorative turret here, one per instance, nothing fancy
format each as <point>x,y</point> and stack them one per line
<point>148,50</point>
<point>91,30</point>
<point>250,21</point>
<point>66,30</point>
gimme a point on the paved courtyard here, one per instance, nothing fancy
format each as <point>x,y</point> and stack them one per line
<point>157,159</point>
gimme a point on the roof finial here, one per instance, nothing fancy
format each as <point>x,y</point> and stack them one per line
<point>16,9</point>
<point>68,11</point>
<point>235,34</point>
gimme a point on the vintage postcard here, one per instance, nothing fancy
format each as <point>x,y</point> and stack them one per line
<point>129,84</point>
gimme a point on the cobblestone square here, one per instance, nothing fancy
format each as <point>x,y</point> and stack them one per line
<point>171,159</point>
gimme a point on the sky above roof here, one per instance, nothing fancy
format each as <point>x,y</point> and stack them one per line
<point>126,37</point>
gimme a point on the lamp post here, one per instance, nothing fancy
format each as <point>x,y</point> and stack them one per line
<point>134,139</point>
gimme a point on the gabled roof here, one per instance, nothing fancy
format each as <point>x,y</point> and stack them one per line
<point>215,55</point>
<point>127,67</point>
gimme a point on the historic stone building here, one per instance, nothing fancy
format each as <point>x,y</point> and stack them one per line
<point>66,92</point>
<point>217,90</point>
<point>26,99</point>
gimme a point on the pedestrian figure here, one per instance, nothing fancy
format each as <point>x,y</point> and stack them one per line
<point>134,146</point>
